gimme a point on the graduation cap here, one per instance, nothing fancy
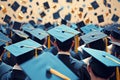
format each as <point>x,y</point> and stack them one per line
<point>48,25</point>
<point>24,9</point>
<point>100,18</point>
<point>42,14</point>
<point>32,22</point>
<point>56,1</point>
<point>68,17</point>
<point>89,28</point>
<point>7,19</point>
<point>103,57</point>
<point>93,36</point>
<point>3,39</point>
<point>94,4</point>
<point>15,6</point>
<point>63,22</point>
<point>23,50</point>
<point>39,33</point>
<point>53,68</point>
<point>81,9</point>
<point>63,33</point>
<point>46,5</point>
<point>115,18</point>
<point>69,1</point>
<point>16,25</point>
<point>27,27</point>
<point>80,24</point>
<point>56,15</point>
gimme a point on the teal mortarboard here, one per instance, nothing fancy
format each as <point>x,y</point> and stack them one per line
<point>115,18</point>
<point>3,39</point>
<point>46,5</point>
<point>39,33</point>
<point>104,57</point>
<point>63,33</point>
<point>47,67</point>
<point>73,26</point>
<point>95,5</point>
<point>16,25</point>
<point>23,50</point>
<point>27,27</point>
<point>89,28</point>
<point>15,6</point>
<point>93,36</point>
<point>7,19</point>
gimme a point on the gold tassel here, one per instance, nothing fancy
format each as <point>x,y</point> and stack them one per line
<point>49,42</point>
<point>36,55</point>
<point>76,44</point>
<point>53,71</point>
<point>106,44</point>
<point>8,53</point>
<point>3,9</point>
<point>117,73</point>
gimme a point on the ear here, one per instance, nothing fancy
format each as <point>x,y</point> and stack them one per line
<point>88,68</point>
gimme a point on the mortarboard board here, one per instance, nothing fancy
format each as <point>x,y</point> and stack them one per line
<point>63,22</point>
<point>3,0</point>
<point>42,14</point>
<point>63,33</point>
<point>39,33</point>
<point>81,9</point>
<point>104,57</point>
<point>48,25</point>
<point>69,1</point>
<point>7,19</point>
<point>80,24</point>
<point>68,17</point>
<point>23,50</point>
<point>16,25</point>
<point>51,64</point>
<point>115,18</point>
<point>27,27</point>
<point>3,39</point>
<point>56,1</point>
<point>15,6</point>
<point>46,5</point>
<point>89,28</point>
<point>93,36</point>
<point>32,22</point>
<point>24,9</point>
<point>94,4</point>
<point>100,18</point>
<point>56,15</point>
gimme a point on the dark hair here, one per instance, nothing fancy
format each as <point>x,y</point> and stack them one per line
<point>64,46</point>
<point>116,50</point>
<point>101,70</point>
<point>115,35</point>
<point>99,45</point>
<point>1,49</point>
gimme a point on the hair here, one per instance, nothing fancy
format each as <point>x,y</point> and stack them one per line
<point>99,45</point>
<point>101,70</point>
<point>116,51</point>
<point>1,49</point>
<point>66,45</point>
<point>115,35</point>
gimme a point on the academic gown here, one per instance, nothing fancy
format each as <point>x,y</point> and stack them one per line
<point>75,66</point>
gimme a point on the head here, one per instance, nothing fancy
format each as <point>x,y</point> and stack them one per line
<point>99,71</point>
<point>64,46</point>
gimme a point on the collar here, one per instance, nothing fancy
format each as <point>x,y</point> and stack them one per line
<point>66,53</point>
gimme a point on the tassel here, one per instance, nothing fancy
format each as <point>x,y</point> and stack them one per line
<point>8,53</point>
<point>3,9</point>
<point>36,55</point>
<point>106,44</point>
<point>49,42</point>
<point>117,73</point>
<point>76,44</point>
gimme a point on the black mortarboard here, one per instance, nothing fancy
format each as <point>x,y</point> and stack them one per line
<point>56,15</point>
<point>56,1</point>
<point>32,22</point>
<point>109,5</point>
<point>7,19</point>
<point>63,22</point>
<point>105,2</point>
<point>68,17</point>
<point>69,1</point>
<point>3,39</point>
<point>80,24</point>
<point>46,5</point>
<point>15,6</point>
<point>24,9</point>
<point>47,67</point>
<point>23,50</point>
<point>81,9</point>
<point>100,18</point>
<point>16,25</point>
<point>93,36</point>
<point>42,14</point>
<point>48,26</point>
<point>115,18</point>
<point>94,4</point>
